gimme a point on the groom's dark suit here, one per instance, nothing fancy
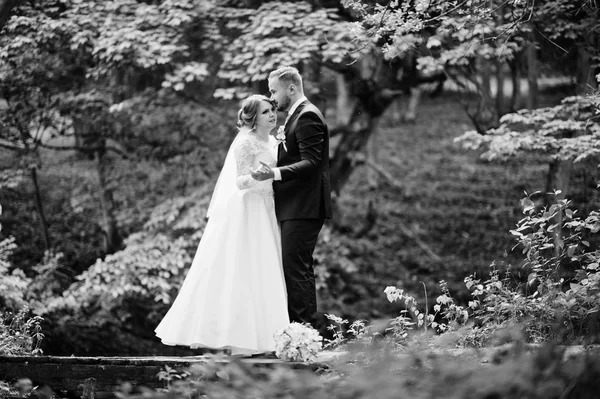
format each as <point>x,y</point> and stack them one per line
<point>302,203</point>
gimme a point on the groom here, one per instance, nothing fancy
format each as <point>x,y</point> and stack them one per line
<point>302,189</point>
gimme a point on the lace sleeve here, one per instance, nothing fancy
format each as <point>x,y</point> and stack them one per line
<point>244,157</point>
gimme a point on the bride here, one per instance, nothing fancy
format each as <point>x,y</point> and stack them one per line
<point>234,295</point>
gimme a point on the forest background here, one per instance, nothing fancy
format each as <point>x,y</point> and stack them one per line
<point>116,117</point>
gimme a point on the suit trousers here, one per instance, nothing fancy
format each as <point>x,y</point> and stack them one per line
<point>298,241</point>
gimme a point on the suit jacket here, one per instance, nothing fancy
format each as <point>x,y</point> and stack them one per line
<point>304,191</point>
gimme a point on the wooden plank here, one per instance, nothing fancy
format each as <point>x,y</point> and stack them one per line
<point>70,373</point>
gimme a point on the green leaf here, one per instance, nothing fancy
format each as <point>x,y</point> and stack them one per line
<point>527,205</point>
<point>569,213</point>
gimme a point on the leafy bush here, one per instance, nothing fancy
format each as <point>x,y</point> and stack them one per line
<point>559,301</point>
<point>561,298</point>
<point>20,334</point>
<point>12,284</point>
<point>126,293</point>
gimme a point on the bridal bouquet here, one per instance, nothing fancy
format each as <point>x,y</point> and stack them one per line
<point>298,343</point>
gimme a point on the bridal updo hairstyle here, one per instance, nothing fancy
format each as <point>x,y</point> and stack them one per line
<point>249,110</point>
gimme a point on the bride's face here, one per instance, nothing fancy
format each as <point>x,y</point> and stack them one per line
<point>266,118</point>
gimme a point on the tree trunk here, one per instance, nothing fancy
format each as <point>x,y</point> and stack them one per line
<point>343,103</point>
<point>532,74</point>
<point>486,82</point>
<point>499,88</point>
<point>112,239</point>
<point>373,157</point>
<point>515,75</point>
<point>586,81</point>
<point>6,8</point>
<point>40,208</point>
<point>484,116</point>
<point>351,144</point>
<point>313,87</point>
<point>559,176</point>
<point>368,86</point>
<point>413,104</point>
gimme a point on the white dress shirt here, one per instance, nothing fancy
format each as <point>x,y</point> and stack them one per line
<point>276,171</point>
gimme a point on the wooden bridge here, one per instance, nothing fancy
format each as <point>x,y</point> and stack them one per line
<point>77,377</point>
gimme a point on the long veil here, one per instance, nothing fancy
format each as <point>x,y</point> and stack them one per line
<point>226,183</point>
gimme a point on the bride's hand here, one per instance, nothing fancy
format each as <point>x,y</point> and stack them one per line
<point>263,172</point>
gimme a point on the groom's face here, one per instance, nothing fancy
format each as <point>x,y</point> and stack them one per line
<point>280,94</point>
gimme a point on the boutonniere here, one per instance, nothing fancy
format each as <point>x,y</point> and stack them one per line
<point>280,137</point>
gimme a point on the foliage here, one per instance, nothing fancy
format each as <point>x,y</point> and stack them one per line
<point>132,272</point>
<point>169,375</point>
<point>65,66</point>
<point>20,334</point>
<point>5,389</point>
<point>568,131</point>
<point>72,218</point>
<point>10,178</point>
<point>412,318</point>
<point>274,34</point>
<point>51,277</point>
<point>12,284</point>
<point>146,275</point>
<point>93,42</point>
<point>567,25</point>
<point>88,51</point>
<point>561,299</point>
<point>115,34</point>
<point>398,329</point>
<point>162,126</point>
<point>22,388</point>
<point>476,30</point>
<point>470,40</point>
<point>466,37</point>
<point>543,373</point>
<point>358,332</point>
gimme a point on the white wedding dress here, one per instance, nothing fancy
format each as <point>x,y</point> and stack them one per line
<point>234,296</point>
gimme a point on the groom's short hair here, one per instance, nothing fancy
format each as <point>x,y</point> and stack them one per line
<point>288,75</point>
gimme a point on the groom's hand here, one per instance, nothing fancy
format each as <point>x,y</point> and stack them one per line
<point>263,172</point>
